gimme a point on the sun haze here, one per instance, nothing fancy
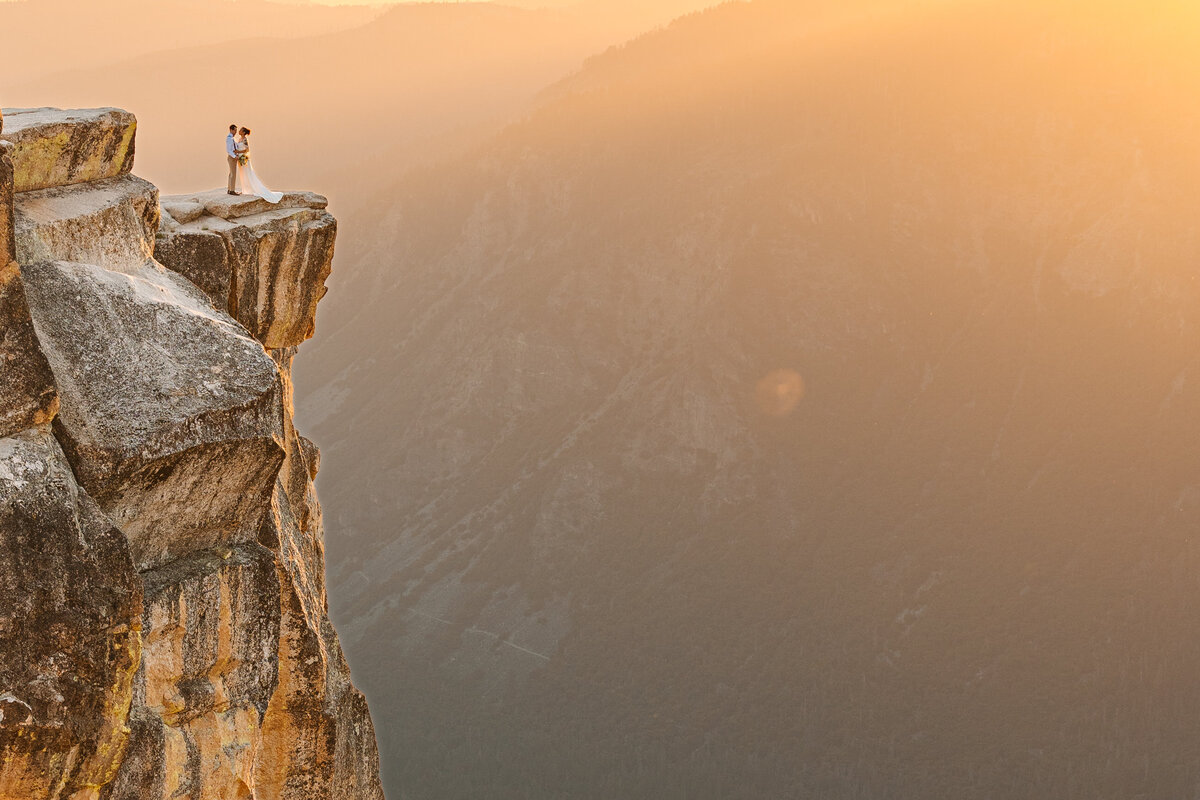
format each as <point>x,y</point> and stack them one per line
<point>784,398</point>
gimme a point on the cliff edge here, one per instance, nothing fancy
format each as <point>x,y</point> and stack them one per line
<point>163,621</point>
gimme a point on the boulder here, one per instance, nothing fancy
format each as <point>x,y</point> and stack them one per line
<point>53,147</point>
<point>109,223</point>
<point>268,268</point>
<point>70,608</point>
<point>184,210</point>
<point>170,414</point>
<point>27,394</point>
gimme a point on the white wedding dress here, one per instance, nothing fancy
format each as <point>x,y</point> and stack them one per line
<point>250,182</point>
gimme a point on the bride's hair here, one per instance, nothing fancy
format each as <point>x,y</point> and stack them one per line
<point>244,131</point>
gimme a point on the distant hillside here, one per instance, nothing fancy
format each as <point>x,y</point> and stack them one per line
<point>44,36</point>
<point>801,403</point>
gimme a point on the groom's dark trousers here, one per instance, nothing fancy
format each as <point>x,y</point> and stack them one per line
<point>232,173</point>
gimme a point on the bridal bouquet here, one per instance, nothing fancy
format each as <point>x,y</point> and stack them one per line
<point>243,160</point>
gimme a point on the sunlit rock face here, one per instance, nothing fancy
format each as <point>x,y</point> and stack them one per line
<point>266,264</point>
<point>53,147</point>
<point>108,223</point>
<point>208,672</point>
<point>163,626</point>
<point>316,716</point>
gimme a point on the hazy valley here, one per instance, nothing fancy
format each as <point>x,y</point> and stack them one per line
<point>794,401</point>
<point>610,549</point>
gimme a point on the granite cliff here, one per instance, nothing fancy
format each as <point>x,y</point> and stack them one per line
<point>163,621</point>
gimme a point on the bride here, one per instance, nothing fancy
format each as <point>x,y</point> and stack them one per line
<point>246,177</point>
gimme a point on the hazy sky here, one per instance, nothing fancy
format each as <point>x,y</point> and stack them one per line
<point>521,3</point>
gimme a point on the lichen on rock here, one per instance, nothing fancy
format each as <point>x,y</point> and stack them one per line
<point>53,147</point>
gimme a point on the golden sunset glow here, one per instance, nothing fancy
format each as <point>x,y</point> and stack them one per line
<point>706,400</point>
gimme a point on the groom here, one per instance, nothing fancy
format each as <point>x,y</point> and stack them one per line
<point>231,157</point>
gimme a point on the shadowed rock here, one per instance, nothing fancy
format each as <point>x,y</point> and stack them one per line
<point>7,246</point>
<point>265,264</point>
<point>110,223</point>
<point>312,456</point>
<point>143,770</point>
<point>70,605</point>
<point>171,415</point>
<point>299,468</point>
<point>301,550</point>
<point>53,147</point>
<point>27,394</point>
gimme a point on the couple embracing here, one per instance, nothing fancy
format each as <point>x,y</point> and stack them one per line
<point>241,174</point>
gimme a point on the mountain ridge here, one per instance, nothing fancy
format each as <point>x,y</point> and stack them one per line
<point>820,415</point>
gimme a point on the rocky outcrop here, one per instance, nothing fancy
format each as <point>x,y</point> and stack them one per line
<point>316,716</point>
<point>264,263</point>
<point>170,412</point>
<point>109,223</point>
<point>53,147</point>
<point>163,623</point>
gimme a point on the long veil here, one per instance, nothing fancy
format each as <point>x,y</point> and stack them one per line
<point>251,183</point>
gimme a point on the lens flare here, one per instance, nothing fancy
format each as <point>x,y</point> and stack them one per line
<point>779,392</point>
